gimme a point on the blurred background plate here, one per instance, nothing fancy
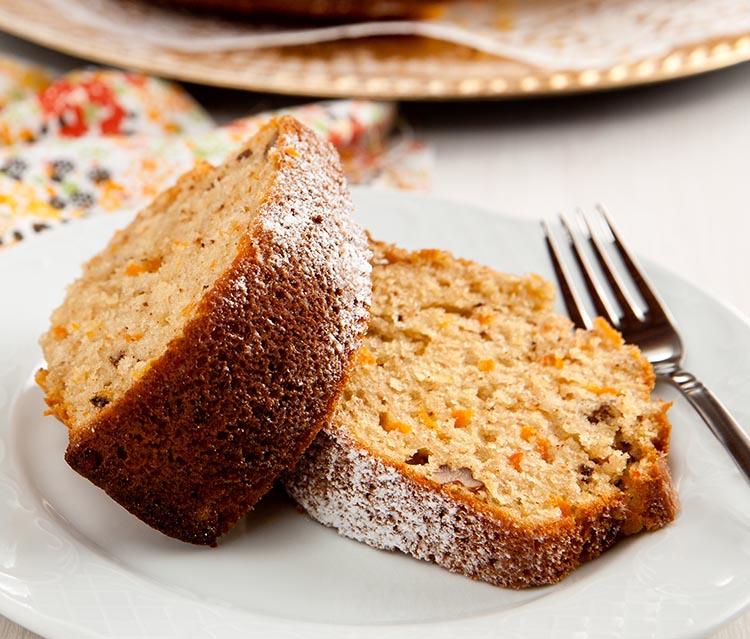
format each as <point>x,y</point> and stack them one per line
<point>394,67</point>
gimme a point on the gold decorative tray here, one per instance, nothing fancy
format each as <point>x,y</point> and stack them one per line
<point>394,67</point>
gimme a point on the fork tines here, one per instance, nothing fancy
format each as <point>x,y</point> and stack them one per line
<point>597,232</point>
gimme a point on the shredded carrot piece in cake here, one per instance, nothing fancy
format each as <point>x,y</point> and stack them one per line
<point>365,356</point>
<point>401,427</point>
<point>563,505</point>
<point>427,419</point>
<point>133,337</point>
<point>144,266</point>
<point>515,460</point>
<point>60,332</point>
<point>542,447</point>
<point>462,417</point>
<point>484,318</point>
<point>552,359</point>
<point>390,425</point>
<point>435,255</point>
<point>40,376</point>
<point>486,365</point>
<point>601,390</point>
<point>527,432</point>
<point>607,333</point>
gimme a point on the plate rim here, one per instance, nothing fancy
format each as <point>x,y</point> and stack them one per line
<point>46,626</point>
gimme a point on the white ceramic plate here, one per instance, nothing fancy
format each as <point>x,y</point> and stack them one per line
<point>74,564</point>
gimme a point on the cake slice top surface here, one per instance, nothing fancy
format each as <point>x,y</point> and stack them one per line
<point>137,296</point>
<point>469,381</point>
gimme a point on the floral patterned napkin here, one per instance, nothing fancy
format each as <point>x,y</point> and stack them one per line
<point>99,141</point>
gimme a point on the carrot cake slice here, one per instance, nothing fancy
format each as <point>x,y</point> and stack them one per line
<point>479,431</point>
<point>201,351</point>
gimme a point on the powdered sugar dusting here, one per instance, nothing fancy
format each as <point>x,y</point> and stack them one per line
<point>341,484</point>
<point>241,284</point>
<point>366,500</point>
<point>305,225</point>
<point>312,224</point>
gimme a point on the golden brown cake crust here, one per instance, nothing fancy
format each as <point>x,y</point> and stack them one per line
<point>240,394</point>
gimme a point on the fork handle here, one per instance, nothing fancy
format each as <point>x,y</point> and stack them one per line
<point>716,416</point>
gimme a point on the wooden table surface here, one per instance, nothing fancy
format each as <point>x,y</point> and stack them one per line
<point>670,161</point>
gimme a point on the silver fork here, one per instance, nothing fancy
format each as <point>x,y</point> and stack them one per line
<point>652,329</point>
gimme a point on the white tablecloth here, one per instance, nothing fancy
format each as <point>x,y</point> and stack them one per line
<point>670,162</point>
